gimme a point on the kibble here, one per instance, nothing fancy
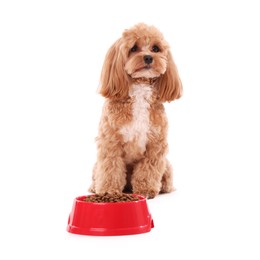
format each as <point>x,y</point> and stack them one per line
<point>111,198</point>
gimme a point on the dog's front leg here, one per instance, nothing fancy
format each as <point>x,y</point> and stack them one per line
<point>110,169</point>
<point>148,172</point>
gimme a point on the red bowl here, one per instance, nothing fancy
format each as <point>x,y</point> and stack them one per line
<point>111,218</point>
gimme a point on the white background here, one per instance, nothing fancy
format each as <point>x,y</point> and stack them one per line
<point>51,54</point>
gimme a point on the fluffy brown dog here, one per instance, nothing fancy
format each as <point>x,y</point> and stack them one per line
<point>138,75</point>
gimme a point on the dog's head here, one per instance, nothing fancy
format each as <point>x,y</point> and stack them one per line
<point>141,53</point>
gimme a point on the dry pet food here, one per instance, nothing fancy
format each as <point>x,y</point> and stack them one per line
<point>106,197</point>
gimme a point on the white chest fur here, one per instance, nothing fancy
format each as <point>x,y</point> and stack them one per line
<point>138,128</point>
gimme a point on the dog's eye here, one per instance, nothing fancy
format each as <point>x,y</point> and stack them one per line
<point>155,48</point>
<point>134,48</point>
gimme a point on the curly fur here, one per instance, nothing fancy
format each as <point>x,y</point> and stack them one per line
<point>138,76</point>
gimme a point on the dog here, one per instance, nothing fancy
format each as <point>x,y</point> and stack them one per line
<point>138,76</point>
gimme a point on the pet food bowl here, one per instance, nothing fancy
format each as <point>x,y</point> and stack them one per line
<point>109,218</point>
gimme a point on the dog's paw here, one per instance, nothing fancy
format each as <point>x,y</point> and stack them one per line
<point>167,188</point>
<point>149,194</point>
<point>109,191</point>
<point>92,189</point>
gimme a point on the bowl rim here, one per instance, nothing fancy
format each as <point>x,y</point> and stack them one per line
<point>80,199</point>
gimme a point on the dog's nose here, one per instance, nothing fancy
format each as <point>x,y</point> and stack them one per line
<point>148,59</point>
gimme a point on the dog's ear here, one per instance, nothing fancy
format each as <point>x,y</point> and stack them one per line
<point>114,82</point>
<point>169,84</point>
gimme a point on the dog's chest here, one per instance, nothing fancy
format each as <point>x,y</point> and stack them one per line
<point>137,130</point>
